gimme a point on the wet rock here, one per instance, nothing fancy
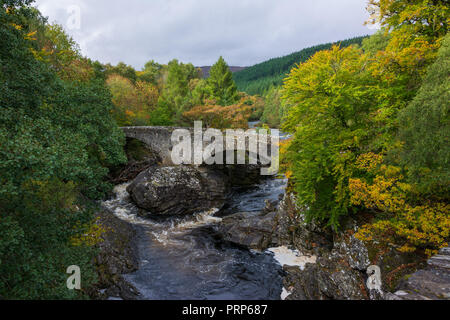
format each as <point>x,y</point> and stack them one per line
<point>337,280</point>
<point>354,250</point>
<point>330,278</point>
<point>303,285</point>
<point>250,229</point>
<point>431,283</point>
<point>442,260</point>
<point>179,190</point>
<point>339,272</point>
<point>270,206</point>
<point>240,175</point>
<point>293,229</point>
<point>117,256</point>
<point>244,175</point>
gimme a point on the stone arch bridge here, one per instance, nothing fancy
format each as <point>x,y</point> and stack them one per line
<point>262,147</point>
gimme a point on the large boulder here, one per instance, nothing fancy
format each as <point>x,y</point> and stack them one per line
<point>249,229</point>
<point>182,190</point>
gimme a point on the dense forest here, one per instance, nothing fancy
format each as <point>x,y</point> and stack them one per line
<point>167,94</point>
<point>58,140</point>
<point>369,119</point>
<point>259,78</point>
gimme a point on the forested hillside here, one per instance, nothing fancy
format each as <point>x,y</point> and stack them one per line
<point>206,69</point>
<point>258,78</point>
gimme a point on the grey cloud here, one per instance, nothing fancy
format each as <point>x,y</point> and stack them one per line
<point>244,32</point>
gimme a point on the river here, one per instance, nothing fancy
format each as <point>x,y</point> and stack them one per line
<point>185,258</point>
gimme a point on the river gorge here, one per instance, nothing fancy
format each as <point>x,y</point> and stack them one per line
<point>227,233</point>
<point>189,257</point>
<point>185,258</point>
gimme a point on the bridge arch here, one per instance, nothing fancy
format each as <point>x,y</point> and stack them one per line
<point>159,140</point>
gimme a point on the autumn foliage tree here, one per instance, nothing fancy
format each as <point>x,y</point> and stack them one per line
<point>219,117</point>
<point>414,29</point>
<point>134,102</point>
<point>332,98</point>
<point>406,223</point>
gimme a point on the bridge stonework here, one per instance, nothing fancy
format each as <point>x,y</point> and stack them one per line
<point>159,140</point>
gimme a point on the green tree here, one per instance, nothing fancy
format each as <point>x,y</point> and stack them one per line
<point>331,98</point>
<point>273,110</point>
<point>200,92</point>
<point>221,85</point>
<point>151,72</point>
<point>425,130</point>
<point>57,139</point>
<point>176,96</point>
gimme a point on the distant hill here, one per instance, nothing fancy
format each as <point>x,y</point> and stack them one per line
<point>260,77</point>
<point>205,70</point>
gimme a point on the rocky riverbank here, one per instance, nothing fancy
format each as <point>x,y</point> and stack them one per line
<point>117,256</point>
<point>342,264</point>
<point>431,283</point>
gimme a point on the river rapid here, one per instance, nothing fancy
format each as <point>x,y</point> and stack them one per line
<point>185,258</point>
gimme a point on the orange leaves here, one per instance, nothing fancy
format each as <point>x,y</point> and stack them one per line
<point>31,36</point>
<point>130,113</point>
<point>219,117</point>
<point>147,93</point>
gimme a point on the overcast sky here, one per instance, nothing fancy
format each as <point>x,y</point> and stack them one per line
<point>244,32</point>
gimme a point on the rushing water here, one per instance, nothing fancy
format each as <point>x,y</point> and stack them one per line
<point>186,258</point>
